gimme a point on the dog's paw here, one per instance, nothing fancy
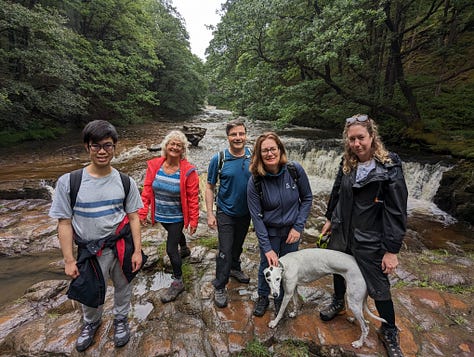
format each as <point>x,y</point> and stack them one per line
<point>357,344</point>
<point>272,324</point>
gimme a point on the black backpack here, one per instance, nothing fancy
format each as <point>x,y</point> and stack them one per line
<point>75,179</point>
<point>257,181</point>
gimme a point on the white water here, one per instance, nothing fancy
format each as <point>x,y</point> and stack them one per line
<point>422,180</point>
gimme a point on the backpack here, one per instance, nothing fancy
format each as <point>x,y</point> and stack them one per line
<point>75,179</point>
<point>257,181</point>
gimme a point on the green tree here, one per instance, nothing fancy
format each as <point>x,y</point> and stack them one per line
<point>38,76</point>
<point>329,58</point>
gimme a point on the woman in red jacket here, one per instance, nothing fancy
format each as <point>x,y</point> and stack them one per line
<point>171,189</point>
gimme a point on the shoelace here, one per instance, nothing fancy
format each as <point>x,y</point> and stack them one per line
<point>86,330</point>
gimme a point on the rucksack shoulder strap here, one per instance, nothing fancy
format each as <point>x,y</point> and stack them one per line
<point>293,171</point>
<point>75,179</point>
<point>257,182</point>
<point>126,186</point>
<point>220,162</point>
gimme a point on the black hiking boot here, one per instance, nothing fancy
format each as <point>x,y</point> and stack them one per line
<point>86,337</point>
<point>337,307</point>
<point>220,297</point>
<point>240,276</point>
<point>389,337</point>
<point>184,251</point>
<point>176,288</point>
<point>261,306</point>
<point>121,332</point>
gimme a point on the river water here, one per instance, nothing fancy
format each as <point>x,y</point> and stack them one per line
<point>318,151</point>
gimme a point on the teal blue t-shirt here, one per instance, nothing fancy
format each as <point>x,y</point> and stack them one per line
<point>232,193</point>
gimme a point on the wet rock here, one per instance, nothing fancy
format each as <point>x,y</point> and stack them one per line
<point>24,189</point>
<point>456,192</point>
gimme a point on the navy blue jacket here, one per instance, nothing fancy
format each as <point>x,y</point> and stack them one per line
<point>284,205</point>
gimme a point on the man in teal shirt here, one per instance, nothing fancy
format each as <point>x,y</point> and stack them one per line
<point>230,169</point>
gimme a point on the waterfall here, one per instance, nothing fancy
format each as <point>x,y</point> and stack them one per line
<point>423,179</point>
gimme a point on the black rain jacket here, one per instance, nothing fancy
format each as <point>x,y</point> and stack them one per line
<point>369,215</point>
<point>89,287</point>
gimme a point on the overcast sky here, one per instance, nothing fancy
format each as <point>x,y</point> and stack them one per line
<point>198,14</point>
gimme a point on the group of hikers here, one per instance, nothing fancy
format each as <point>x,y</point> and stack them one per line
<point>101,210</point>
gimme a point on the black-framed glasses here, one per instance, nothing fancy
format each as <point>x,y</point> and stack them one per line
<point>109,147</point>
<point>272,150</point>
<point>360,118</point>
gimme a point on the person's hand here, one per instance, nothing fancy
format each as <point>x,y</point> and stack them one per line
<point>326,228</point>
<point>389,263</point>
<point>293,236</point>
<point>272,258</point>
<point>192,230</point>
<point>144,222</point>
<point>70,268</point>
<point>136,261</point>
<point>211,221</point>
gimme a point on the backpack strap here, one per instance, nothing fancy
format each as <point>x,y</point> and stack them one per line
<point>257,182</point>
<point>293,172</point>
<point>220,163</point>
<point>75,179</point>
<point>126,187</point>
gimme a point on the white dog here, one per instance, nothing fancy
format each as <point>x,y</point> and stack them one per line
<point>308,265</point>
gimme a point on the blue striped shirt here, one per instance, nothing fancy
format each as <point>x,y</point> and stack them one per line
<point>167,197</point>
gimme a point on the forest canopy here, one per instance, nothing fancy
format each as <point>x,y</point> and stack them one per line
<point>68,62</point>
<point>407,63</point>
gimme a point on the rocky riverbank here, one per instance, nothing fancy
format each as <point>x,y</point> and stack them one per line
<point>432,292</point>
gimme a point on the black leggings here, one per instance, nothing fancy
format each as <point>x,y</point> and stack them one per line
<point>175,237</point>
<point>384,307</point>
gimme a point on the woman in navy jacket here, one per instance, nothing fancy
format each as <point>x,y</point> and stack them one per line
<point>279,198</point>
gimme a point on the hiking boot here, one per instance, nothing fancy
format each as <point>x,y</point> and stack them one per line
<point>240,276</point>
<point>277,306</point>
<point>337,307</point>
<point>185,251</point>
<point>389,337</point>
<point>261,306</point>
<point>176,288</point>
<point>121,332</point>
<point>86,337</point>
<point>220,297</point>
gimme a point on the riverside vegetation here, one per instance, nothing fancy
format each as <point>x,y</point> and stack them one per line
<point>409,64</point>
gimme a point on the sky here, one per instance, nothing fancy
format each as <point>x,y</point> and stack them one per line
<point>198,14</point>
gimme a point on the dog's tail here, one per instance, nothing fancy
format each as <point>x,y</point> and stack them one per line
<point>371,314</point>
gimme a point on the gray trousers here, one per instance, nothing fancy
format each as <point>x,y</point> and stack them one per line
<point>110,267</point>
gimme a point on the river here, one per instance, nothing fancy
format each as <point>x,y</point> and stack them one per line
<point>318,151</point>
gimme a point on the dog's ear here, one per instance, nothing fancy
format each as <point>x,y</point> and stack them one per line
<point>280,265</point>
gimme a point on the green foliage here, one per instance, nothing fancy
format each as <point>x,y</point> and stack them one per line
<point>209,242</point>
<point>315,63</point>
<point>255,349</point>
<point>65,63</point>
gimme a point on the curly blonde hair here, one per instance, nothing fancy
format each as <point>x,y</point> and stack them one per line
<point>379,152</point>
<point>178,136</point>
<point>257,168</point>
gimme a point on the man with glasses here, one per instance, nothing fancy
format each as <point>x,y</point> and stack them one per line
<point>232,218</point>
<point>104,224</point>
